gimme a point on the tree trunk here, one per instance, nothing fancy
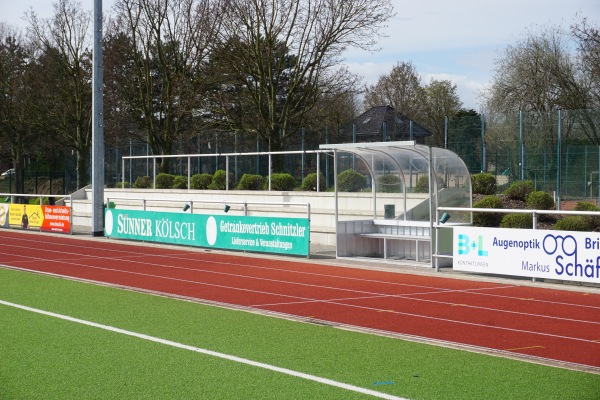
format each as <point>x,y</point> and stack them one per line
<point>82,163</point>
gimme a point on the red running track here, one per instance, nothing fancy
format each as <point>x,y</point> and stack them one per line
<point>528,321</point>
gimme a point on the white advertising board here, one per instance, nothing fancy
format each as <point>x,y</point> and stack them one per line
<point>563,255</point>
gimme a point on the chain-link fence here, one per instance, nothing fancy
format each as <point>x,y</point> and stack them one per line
<point>41,178</point>
<point>559,151</point>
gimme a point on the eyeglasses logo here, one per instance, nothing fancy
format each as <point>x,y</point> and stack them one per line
<point>466,245</point>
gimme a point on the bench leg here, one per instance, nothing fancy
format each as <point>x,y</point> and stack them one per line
<point>385,253</point>
<point>417,250</point>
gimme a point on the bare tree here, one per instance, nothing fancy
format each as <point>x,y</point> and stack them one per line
<point>441,101</point>
<point>400,89</point>
<point>159,47</point>
<point>540,75</point>
<point>283,55</point>
<point>588,38</point>
<point>16,92</point>
<point>62,44</point>
<point>537,74</point>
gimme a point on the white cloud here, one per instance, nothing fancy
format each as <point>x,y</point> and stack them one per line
<point>460,41</point>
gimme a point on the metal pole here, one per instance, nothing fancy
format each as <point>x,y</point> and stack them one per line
<point>303,149</point>
<point>97,127</point>
<point>180,153</point>
<point>335,190</point>
<point>483,161</point>
<point>318,171</point>
<point>189,177</point>
<point>446,132</point>
<point>521,146</point>
<point>585,162</point>
<point>235,159</point>
<point>226,172</point>
<point>327,158</point>
<point>199,170</point>
<point>308,216</point>
<point>216,153</point>
<point>558,161</point>
<point>130,167</point>
<point>353,141</point>
<point>433,203</point>
<point>270,167</point>
<point>567,165</point>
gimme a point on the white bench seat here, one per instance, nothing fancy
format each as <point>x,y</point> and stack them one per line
<point>390,236</point>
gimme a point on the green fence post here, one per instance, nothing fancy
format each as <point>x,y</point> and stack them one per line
<point>558,161</point>
<point>521,146</point>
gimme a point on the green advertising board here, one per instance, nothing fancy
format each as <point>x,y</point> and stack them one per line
<point>257,234</point>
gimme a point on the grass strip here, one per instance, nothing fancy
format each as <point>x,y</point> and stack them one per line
<point>43,357</point>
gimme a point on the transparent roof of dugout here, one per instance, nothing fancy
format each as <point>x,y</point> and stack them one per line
<point>399,174</point>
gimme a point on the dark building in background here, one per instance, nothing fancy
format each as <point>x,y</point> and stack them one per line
<point>383,124</point>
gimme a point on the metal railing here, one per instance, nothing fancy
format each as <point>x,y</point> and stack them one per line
<point>227,156</point>
<point>14,196</point>
<point>189,204</point>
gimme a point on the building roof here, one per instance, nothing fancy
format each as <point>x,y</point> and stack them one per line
<point>383,123</point>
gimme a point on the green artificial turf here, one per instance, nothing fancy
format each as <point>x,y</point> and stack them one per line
<point>49,358</point>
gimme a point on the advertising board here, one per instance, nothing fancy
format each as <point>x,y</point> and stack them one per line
<point>257,234</point>
<point>45,218</point>
<point>561,255</point>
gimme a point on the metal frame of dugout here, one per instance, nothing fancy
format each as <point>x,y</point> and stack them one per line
<point>408,183</point>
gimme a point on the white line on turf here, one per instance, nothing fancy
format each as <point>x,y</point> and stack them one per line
<point>269,367</point>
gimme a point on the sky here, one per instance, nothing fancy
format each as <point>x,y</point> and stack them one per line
<point>457,40</point>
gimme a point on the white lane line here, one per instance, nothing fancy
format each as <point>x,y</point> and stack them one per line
<point>360,294</point>
<point>434,290</point>
<point>224,356</point>
<point>445,303</point>
<point>305,300</point>
<point>502,328</point>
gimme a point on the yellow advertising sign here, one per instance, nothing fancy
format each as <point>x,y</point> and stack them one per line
<point>25,216</point>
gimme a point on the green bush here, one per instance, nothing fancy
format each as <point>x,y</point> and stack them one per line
<point>251,182</point>
<point>310,182</point>
<point>519,221</point>
<point>389,183</point>
<point>519,190</point>
<point>572,223</point>
<point>282,182</point>
<point>143,182</point>
<point>488,219</point>
<point>585,206</point>
<point>122,185</point>
<point>540,200</point>
<point>351,181</point>
<point>483,183</point>
<point>179,182</point>
<point>200,181</point>
<point>422,185</point>
<point>164,181</point>
<point>593,221</point>
<point>219,181</point>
